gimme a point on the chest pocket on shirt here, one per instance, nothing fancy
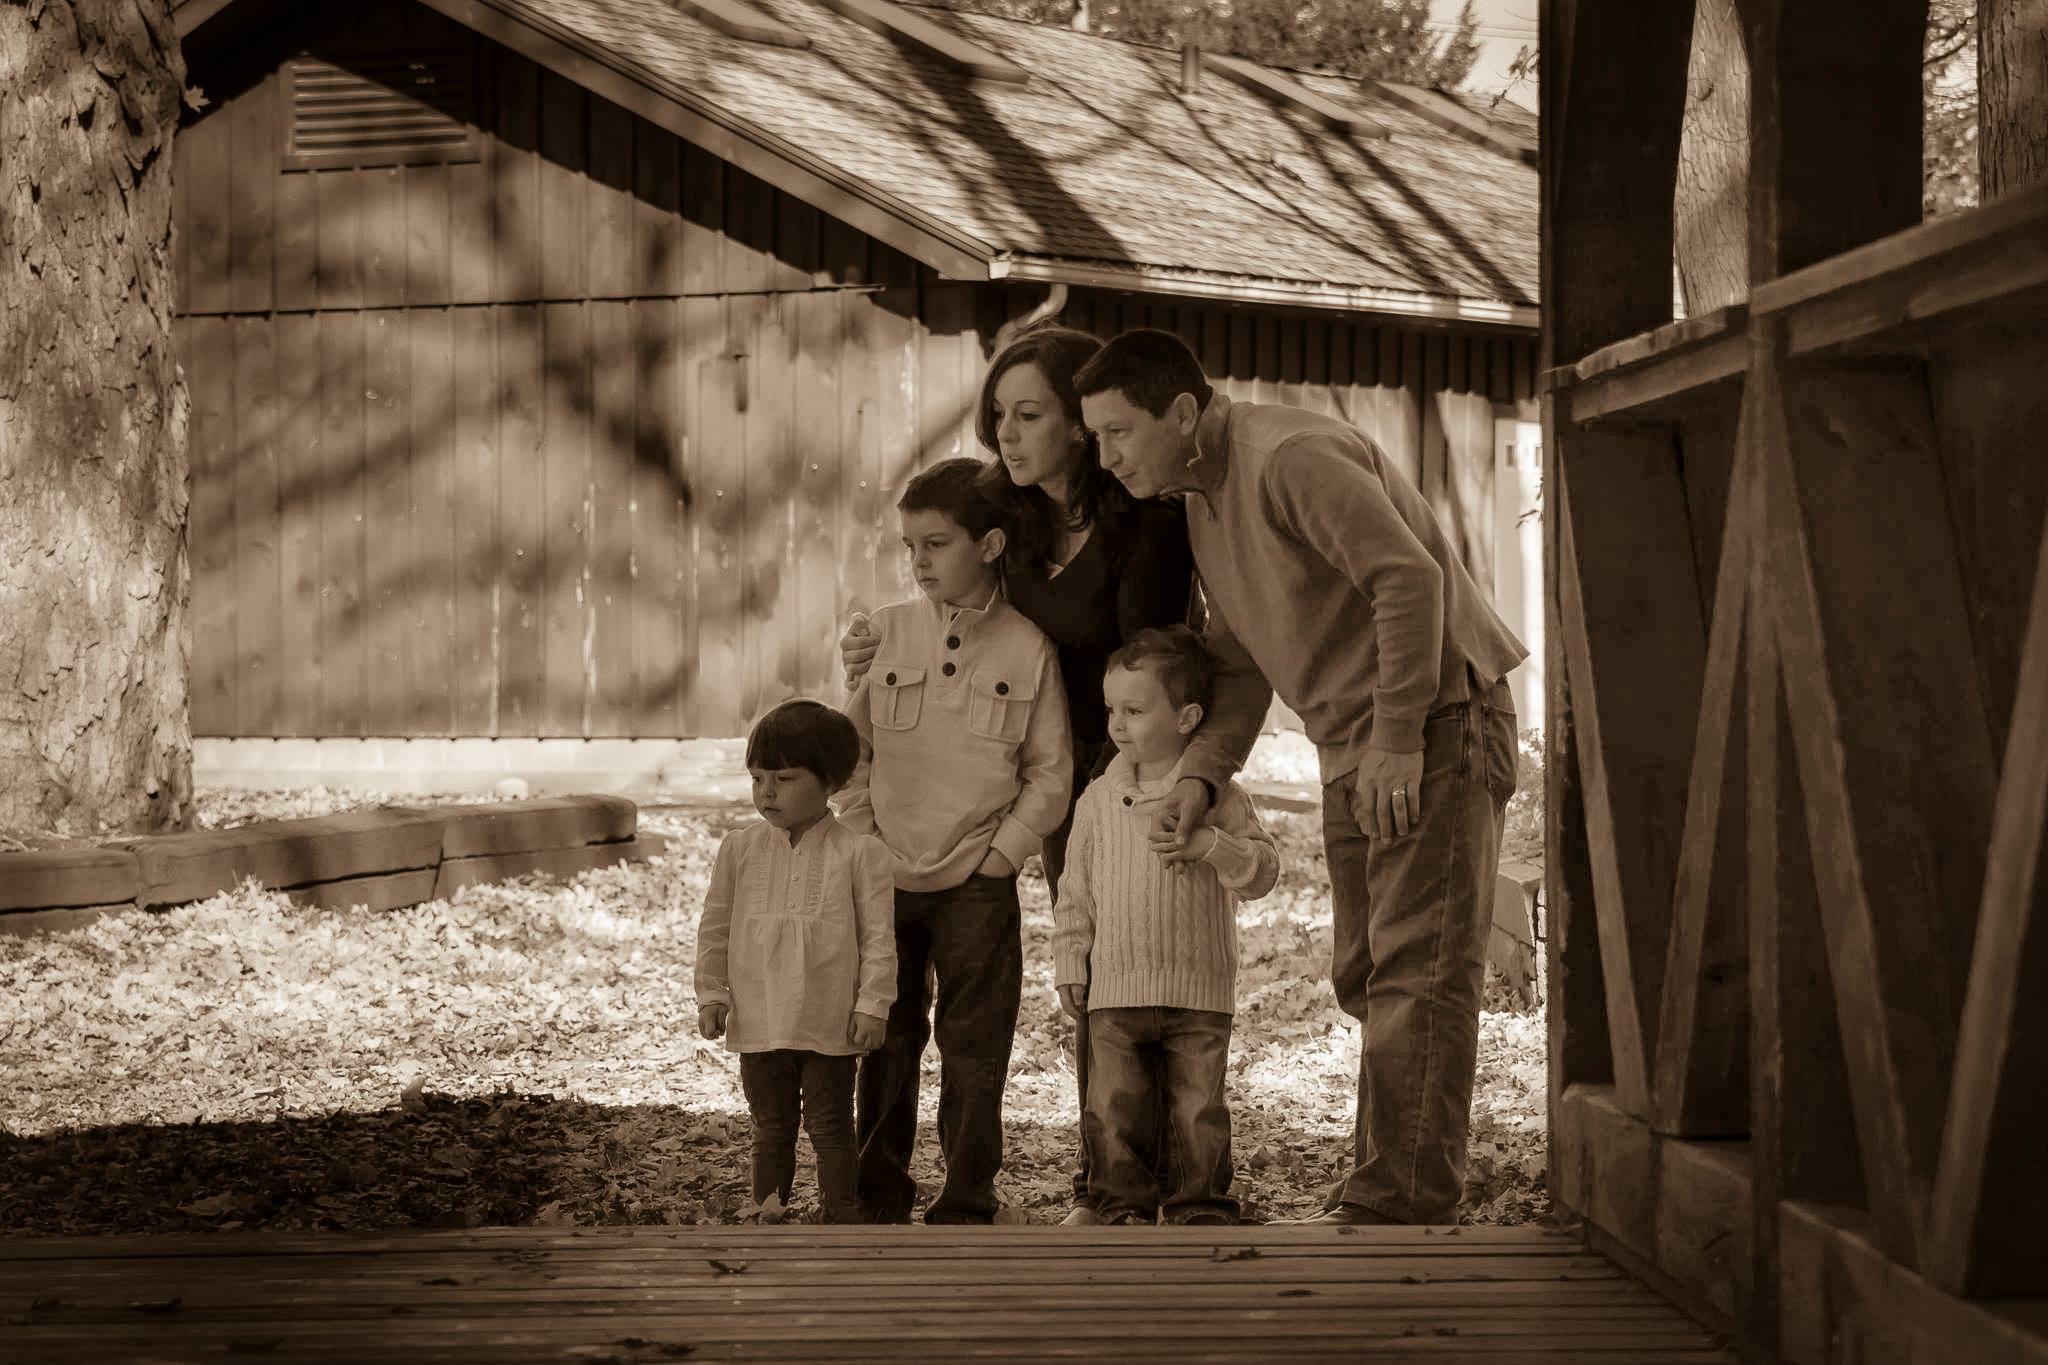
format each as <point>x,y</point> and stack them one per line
<point>998,707</point>
<point>895,696</point>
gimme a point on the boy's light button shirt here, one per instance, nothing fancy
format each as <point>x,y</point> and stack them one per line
<point>964,745</point>
<point>796,940</point>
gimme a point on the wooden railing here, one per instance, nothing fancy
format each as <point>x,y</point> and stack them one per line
<point>1799,758</point>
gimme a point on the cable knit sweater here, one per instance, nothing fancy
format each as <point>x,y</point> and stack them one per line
<point>1134,931</point>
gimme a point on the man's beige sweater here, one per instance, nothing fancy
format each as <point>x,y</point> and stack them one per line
<point>1327,572</point>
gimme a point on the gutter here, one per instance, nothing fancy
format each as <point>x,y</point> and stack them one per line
<point>1282,293</point>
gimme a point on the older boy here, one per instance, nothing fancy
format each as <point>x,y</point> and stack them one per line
<point>1149,954</point>
<point>965,768</point>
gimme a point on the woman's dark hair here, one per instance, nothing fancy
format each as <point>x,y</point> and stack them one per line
<point>809,735</point>
<point>1030,517</point>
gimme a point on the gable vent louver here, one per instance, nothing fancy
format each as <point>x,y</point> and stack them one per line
<point>382,109</point>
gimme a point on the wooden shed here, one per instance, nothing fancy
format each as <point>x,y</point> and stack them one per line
<point>555,366</point>
<point>1799,704</point>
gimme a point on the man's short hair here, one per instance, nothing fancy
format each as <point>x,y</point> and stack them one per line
<point>1177,657</point>
<point>808,735</point>
<point>956,488</point>
<point>1150,367</point>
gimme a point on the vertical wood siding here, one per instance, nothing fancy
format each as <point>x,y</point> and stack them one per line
<point>599,436</point>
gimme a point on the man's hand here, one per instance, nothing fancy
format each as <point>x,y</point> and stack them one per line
<point>994,864</point>
<point>1180,815</point>
<point>1386,797</point>
<point>711,1020</point>
<point>866,1031</point>
<point>1074,1000</point>
<point>857,648</point>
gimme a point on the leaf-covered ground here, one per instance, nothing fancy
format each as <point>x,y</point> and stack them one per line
<point>527,1053</point>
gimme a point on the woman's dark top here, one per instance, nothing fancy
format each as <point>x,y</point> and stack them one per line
<point>1140,574</point>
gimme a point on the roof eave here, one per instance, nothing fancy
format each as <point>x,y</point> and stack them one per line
<point>787,167</point>
<point>1342,298</point>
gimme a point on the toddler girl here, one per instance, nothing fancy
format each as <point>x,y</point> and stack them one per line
<point>796,952</point>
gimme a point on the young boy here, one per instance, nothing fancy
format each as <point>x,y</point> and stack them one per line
<point>965,768</point>
<point>1149,952</point>
<point>796,952</point>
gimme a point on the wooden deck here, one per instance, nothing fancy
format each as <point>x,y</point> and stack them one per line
<point>1490,1295</point>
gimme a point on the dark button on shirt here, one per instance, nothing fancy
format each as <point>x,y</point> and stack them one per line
<point>949,670</point>
<point>891,680</point>
<point>1002,689</point>
<point>952,642</point>
<point>1127,800</point>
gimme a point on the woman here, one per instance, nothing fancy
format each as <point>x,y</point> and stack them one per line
<point>1085,563</point>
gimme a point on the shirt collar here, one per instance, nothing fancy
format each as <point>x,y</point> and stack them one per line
<point>1211,465</point>
<point>1122,776</point>
<point>965,618</point>
<point>812,836</point>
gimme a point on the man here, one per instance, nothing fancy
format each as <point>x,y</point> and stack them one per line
<point>1326,572</point>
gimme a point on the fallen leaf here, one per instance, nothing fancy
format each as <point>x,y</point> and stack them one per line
<point>728,1267</point>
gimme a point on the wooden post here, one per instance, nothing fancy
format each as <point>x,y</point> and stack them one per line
<point>1612,99</point>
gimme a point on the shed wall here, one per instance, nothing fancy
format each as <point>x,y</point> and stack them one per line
<point>598,435</point>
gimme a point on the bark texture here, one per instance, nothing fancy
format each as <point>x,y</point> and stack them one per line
<point>2012,74</point>
<point>1712,199</point>
<point>94,732</point>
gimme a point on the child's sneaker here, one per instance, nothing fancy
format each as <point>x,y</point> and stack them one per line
<point>1081,1216</point>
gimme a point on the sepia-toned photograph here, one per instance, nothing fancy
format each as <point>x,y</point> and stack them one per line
<point>1022,680</point>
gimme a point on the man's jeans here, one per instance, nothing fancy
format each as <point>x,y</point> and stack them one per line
<point>1412,916</point>
<point>782,1085</point>
<point>1147,1065</point>
<point>972,938</point>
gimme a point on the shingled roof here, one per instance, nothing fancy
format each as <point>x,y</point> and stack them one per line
<point>1098,169</point>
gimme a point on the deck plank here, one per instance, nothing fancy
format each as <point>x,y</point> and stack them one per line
<point>1493,1296</point>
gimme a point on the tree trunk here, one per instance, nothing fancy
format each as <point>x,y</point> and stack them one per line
<point>94,733</point>
<point>1712,198</point>
<point>2012,88</point>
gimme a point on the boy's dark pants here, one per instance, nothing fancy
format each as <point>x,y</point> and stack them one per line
<point>782,1085</point>
<point>1412,916</point>
<point>971,935</point>
<point>1151,1064</point>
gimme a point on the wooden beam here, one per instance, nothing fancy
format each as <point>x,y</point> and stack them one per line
<point>1847,1300</point>
<point>1613,96</point>
<point>1712,1098</point>
<point>1628,624</point>
<point>1835,144</point>
<point>1680,1209</point>
<point>1924,274</point>
<point>1575,1004</point>
<point>1893,743</point>
<point>1990,1203</point>
<point>1802,1131</point>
